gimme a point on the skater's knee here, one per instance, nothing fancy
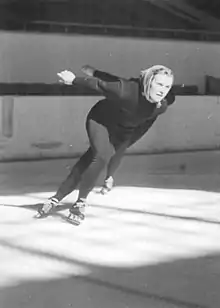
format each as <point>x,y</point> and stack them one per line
<point>103,158</point>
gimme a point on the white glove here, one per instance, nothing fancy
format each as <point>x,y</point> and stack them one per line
<point>66,77</point>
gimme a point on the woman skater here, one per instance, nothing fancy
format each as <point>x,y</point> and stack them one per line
<point>129,109</point>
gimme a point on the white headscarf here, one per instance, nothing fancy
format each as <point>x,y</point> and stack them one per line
<point>148,75</point>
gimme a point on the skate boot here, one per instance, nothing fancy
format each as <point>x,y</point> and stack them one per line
<point>48,206</point>
<point>76,215</point>
<point>107,186</point>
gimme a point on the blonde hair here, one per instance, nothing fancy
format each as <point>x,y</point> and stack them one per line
<point>147,76</point>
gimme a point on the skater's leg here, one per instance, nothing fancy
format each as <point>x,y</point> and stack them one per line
<point>103,150</point>
<point>113,165</point>
<point>115,162</point>
<point>73,179</point>
<point>69,184</point>
<point>86,185</point>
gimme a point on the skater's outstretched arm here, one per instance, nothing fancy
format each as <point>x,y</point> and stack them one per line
<point>92,72</point>
<point>109,86</point>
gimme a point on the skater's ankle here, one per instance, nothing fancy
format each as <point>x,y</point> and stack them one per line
<point>109,179</point>
<point>81,202</point>
<point>54,199</point>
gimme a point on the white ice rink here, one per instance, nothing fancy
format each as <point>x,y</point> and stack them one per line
<point>153,242</point>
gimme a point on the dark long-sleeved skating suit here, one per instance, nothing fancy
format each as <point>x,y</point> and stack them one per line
<point>113,124</point>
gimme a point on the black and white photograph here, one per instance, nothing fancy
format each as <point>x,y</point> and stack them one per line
<point>109,153</point>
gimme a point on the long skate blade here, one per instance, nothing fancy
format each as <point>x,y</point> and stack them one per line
<point>70,219</point>
<point>40,215</point>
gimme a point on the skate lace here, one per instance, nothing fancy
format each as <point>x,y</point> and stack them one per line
<point>108,183</point>
<point>109,180</point>
<point>80,204</point>
<point>49,204</point>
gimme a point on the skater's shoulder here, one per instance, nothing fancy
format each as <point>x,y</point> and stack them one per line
<point>170,97</point>
<point>130,89</point>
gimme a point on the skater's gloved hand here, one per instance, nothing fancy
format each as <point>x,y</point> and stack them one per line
<point>66,77</point>
<point>88,70</point>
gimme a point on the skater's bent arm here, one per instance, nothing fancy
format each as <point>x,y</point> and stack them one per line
<point>106,88</point>
<point>105,83</point>
<point>92,72</point>
<point>118,88</point>
<point>105,76</point>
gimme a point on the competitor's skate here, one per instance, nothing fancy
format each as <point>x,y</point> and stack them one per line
<point>47,207</point>
<point>76,212</point>
<point>107,186</point>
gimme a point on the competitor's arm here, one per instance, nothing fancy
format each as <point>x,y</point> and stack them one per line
<point>105,88</point>
<point>92,72</point>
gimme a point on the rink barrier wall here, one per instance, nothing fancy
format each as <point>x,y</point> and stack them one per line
<point>42,127</point>
<point>37,57</point>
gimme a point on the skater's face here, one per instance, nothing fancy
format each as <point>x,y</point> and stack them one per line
<point>160,86</point>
